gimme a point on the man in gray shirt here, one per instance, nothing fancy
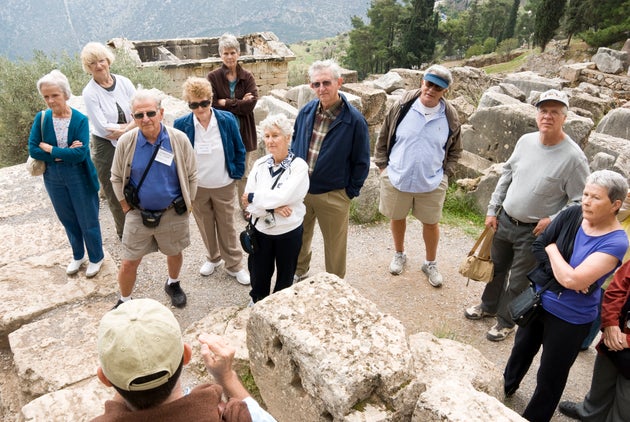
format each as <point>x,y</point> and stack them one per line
<point>546,171</point>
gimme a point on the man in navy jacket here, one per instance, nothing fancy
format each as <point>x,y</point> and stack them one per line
<point>332,137</point>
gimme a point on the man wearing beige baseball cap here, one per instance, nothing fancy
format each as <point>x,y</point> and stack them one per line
<point>142,353</point>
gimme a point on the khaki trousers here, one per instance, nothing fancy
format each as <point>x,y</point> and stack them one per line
<point>331,209</point>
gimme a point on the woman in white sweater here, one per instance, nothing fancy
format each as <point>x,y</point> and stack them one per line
<point>274,197</point>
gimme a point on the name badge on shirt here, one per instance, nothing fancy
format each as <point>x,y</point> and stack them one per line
<point>165,157</point>
<point>203,147</point>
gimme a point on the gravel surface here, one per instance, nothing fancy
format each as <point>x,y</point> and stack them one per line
<point>408,297</point>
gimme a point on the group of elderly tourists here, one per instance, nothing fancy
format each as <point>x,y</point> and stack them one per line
<point>557,227</point>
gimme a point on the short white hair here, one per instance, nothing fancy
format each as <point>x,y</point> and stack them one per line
<point>57,79</point>
<point>280,121</point>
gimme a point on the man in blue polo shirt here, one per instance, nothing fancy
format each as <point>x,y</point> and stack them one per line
<point>159,163</point>
<point>417,149</point>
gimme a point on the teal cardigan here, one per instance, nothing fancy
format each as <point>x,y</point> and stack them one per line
<point>78,130</point>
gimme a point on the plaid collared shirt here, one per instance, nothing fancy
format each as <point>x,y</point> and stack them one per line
<point>323,120</point>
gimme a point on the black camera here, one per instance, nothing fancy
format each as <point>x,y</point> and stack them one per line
<point>180,205</point>
<point>151,219</point>
<point>131,195</point>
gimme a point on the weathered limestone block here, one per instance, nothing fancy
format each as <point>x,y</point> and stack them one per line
<point>230,323</point>
<point>602,161</point>
<point>41,349</point>
<point>492,99</point>
<point>412,79</point>
<point>470,165</point>
<point>81,402</point>
<point>373,101</point>
<point>318,351</point>
<point>270,105</point>
<point>450,401</point>
<point>610,61</point>
<point>389,82</point>
<point>615,123</point>
<point>617,148</point>
<point>596,105</point>
<point>493,131</point>
<point>513,91</point>
<point>572,72</point>
<point>43,280</point>
<point>531,81</point>
<point>463,107</point>
<point>364,208</point>
<point>485,186</point>
<point>299,95</point>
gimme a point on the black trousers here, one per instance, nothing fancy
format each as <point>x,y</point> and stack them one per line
<point>280,251</point>
<point>560,341</point>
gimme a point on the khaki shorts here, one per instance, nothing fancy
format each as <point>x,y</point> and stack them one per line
<point>426,207</point>
<point>171,237</point>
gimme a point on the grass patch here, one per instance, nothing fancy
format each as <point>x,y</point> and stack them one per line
<point>510,66</point>
<point>445,332</point>
<point>460,210</point>
<point>247,379</point>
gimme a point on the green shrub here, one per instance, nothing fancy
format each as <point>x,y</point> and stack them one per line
<point>489,45</point>
<point>474,50</point>
<point>20,101</point>
<point>506,46</point>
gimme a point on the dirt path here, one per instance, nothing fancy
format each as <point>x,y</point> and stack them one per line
<point>407,297</point>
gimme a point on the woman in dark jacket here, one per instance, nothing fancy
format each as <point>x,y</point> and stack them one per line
<point>577,265</point>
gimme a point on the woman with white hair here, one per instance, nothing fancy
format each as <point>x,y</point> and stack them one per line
<point>60,136</point>
<point>235,91</point>
<point>274,197</point>
<point>576,253</point>
<point>107,102</point>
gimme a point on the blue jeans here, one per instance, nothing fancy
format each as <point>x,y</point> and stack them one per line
<point>76,206</point>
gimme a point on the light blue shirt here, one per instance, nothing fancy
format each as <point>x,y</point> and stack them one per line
<point>415,163</point>
<point>161,185</point>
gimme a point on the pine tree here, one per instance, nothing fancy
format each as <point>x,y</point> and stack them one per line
<point>511,23</point>
<point>418,37</point>
<point>548,15</point>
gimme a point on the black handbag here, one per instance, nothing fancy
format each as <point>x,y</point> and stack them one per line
<point>249,243</point>
<point>526,306</point>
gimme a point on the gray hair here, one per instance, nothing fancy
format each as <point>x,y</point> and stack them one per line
<point>441,72</point>
<point>146,94</point>
<point>614,183</point>
<point>320,65</point>
<point>228,40</point>
<point>93,52</point>
<point>57,79</point>
<point>280,121</point>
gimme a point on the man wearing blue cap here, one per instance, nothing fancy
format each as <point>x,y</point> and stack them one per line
<point>416,151</point>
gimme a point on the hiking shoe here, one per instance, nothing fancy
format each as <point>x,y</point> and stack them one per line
<point>498,333</point>
<point>75,264</point>
<point>208,267</point>
<point>398,263</point>
<point>476,312</point>
<point>570,409</point>
<point>120,302</point>
<point>431,271</point>
<point>241,276</point>
<point>177,295</point>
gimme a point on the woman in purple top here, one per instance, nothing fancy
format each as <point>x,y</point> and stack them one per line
<point>577,264</point>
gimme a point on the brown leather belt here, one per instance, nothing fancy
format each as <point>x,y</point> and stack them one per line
<point>518,222</point>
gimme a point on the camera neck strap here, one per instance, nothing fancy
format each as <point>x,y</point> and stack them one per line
<point>156,148</point>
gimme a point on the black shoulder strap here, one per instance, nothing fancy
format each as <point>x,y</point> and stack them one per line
<point>146,170</point>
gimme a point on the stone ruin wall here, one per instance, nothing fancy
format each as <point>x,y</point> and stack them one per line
<point>262,53</point>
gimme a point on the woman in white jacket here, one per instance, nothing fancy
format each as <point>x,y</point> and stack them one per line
<point>274,197</point>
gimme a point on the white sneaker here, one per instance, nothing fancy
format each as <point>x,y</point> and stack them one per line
<point>431,271</point>
<point>75,264</point>
<point>93,268</point>
<point>398,263</point>
<point>241,276</point>
<point>208,267</point>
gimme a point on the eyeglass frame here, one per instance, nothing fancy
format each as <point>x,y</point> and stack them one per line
<point>140,115</point>
<point>325,84</point>
<point>435,87</point>
<point>195,105</point>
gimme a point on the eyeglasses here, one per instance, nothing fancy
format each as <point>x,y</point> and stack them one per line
<point>195,105</point>
<point>551,113</point>
<point>326,84</point>
<point>140,115</point>
<point>434,86</point>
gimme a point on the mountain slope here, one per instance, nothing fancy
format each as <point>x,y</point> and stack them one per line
<point>66,25</point>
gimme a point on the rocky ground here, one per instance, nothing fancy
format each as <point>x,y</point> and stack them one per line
<point>407,297</point>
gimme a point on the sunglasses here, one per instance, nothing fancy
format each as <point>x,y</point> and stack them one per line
<point>326,84</point>
<point>140,115</point>
<point>434,86</point>
<point>204,104</point>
